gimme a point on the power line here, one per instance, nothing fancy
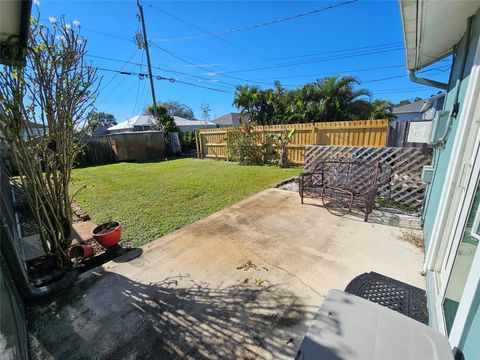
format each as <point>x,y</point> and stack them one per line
<point>397,43</point>
<point>157,77</point>
<point>203,30</point>
<point>383,79</point>
<point>138,88</point>
<point>256,26</point>
<point>208,70</point>
<point>225,74</point>
<point>160,68</point>
<point>235,85</point>
<point>204,87</point>
<point>126,63</point>
<point>330,58</point>
<point>333,73</point>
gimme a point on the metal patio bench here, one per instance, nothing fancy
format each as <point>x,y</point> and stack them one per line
<point>343,184</point>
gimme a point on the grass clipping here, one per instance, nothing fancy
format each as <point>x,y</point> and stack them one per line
<point>413,237</point>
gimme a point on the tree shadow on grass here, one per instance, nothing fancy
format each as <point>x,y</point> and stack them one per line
<point>109,316</point>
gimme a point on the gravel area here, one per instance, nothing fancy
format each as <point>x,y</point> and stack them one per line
<point>289,186</point>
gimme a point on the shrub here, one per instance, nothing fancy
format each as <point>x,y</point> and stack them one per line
<point>43,109</point>
<point>245,145</point>
<point>187,140</point>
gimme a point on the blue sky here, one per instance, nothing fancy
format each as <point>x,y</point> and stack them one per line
<point>363,39</point>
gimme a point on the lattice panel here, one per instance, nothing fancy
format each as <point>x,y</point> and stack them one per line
<point>406,185</point>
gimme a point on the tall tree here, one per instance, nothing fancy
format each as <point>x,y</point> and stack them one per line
<point>205,112</point>
<point>165,121</point>
<point>176,108</point>
<point>100,119</point>
<point>255,105</point>
<point>340,99</point>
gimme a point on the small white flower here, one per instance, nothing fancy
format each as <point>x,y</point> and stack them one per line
<point>36,2</point>
<point>52,19</point>
<point>79,41</point>
<point>68,26</point>
<point>76,22</point>
<point>60,38</point>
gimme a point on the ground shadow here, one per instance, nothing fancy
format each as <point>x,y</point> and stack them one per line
<point>383,217</point>
<point>109,316</point>
<point>377,216</point>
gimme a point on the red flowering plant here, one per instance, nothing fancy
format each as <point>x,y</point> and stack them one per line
<point>245,145</point>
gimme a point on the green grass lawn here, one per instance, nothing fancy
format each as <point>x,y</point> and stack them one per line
<point>154,199</point>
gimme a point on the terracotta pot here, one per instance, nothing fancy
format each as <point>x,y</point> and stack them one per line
<point>81,251</point>
<point>110,238</point>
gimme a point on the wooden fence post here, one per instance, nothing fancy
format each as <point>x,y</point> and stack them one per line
<point>196,143</point>
<point>228,147</point>
<point>200,144</point>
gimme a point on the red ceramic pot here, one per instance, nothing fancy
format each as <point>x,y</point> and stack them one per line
<point>108,235</point>
<point>81,251</point>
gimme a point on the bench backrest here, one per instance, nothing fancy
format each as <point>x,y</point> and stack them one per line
<point>358,176</point>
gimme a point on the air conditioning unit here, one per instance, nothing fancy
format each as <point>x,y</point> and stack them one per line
<point>428,131</point>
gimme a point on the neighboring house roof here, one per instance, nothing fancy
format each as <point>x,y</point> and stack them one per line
<point>187,122</point>
<point>147,120</point>
<point>432,28</point>
<point>418,106</point>
<point>228,119</point>
<point>413,107</point>
<point>138,120</point>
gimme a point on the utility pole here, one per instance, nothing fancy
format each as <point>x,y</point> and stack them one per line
<point>145,44</point>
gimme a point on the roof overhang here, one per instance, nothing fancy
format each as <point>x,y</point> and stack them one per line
<point>432,28</point>
<point>14,30</point>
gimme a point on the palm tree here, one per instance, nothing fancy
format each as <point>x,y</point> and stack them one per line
<point>256,105</point>
<point>340,99</point>
<point>382,109</point>
<point>246,99</point>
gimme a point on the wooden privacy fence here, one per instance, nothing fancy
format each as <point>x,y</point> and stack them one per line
<point>406,185</point>
<point>398,133</point>
<point>212,143</point>
<point>98,150</point>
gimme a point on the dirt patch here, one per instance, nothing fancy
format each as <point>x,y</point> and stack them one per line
<point>250,265</point>
<point>413,237</point>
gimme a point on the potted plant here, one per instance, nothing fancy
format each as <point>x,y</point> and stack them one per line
<point>108,234</point>
<point>43,109</point>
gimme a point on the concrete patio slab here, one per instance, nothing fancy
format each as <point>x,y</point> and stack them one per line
<point>243,283</point>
